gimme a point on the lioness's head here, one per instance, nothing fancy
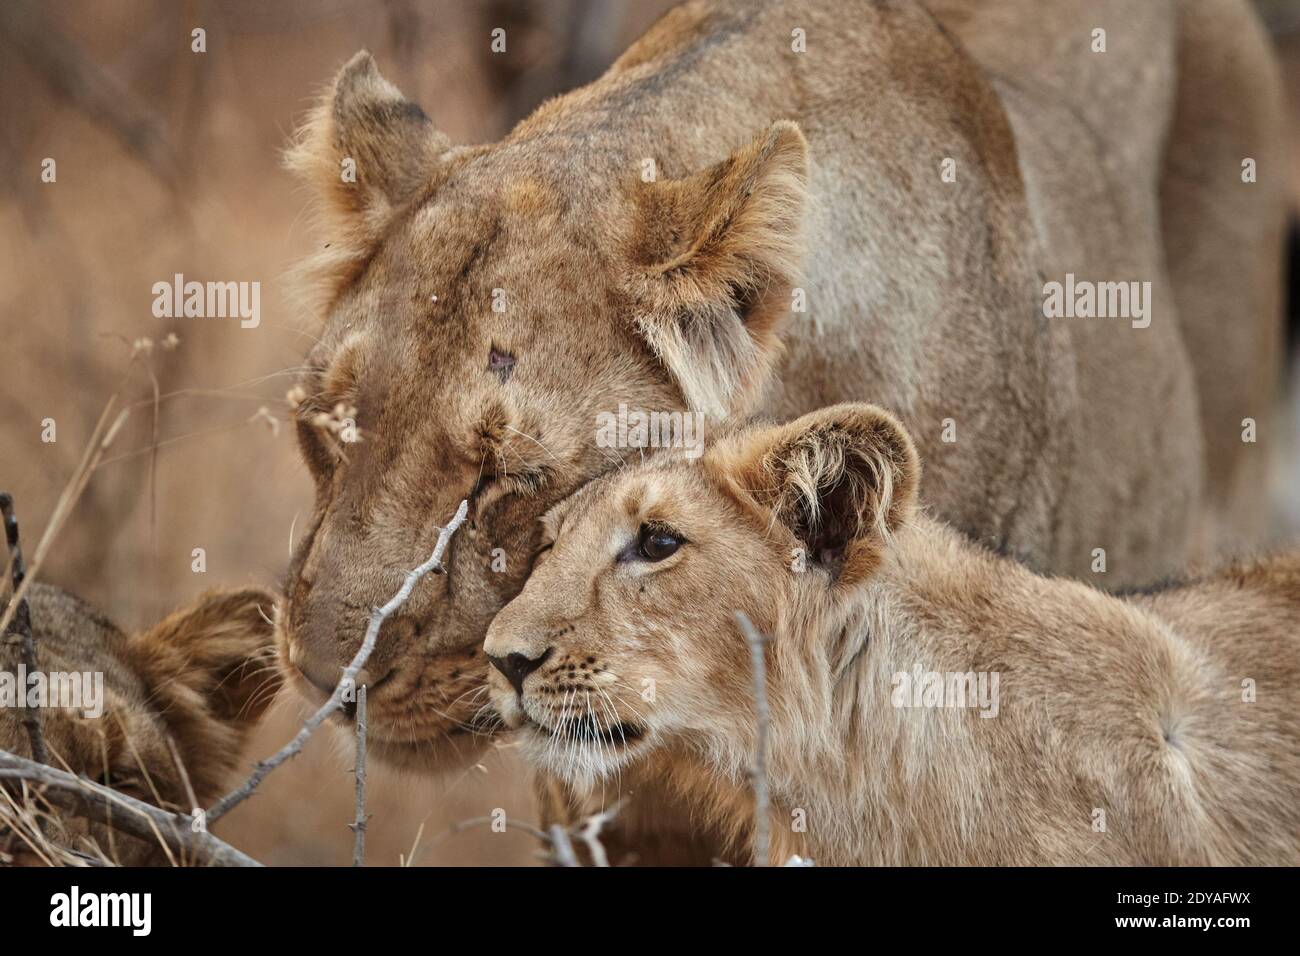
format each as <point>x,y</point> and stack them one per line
<point>624,639</point>
<point>482,307</point>
<point>158,715</point>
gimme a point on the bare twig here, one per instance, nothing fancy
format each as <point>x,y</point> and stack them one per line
<point>184,773</point>
<point>758,773</point>
<point>562,847</point>
<point>359,827</point>
<point>105,431</point>
<point>21,616</point>
<point>347,681</point>
<point>588,831</point>
<point>84,798</point>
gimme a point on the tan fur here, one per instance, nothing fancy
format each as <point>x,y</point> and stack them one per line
<point>200,679</point>
<point>1208,77</point>
<point>1130,706</point>
<point>774,171</point>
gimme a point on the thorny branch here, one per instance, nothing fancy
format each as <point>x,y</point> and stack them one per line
<point>175,832</point>
<point>83,798</point>
<point>348,680</point>
<point>359,827</point>
<point>758,772</point>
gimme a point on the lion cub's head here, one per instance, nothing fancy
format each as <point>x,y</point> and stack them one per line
<point>483,307</point>
<point>624,639</point>
<point>160,715</point>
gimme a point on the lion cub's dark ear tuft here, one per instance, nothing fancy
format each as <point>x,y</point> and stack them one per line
<point>842,479</point>
<point>716,257</point>
<point>365,150</point>
<point>211,672</point>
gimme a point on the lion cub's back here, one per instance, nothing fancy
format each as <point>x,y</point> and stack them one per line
<point>1242,734</point>
<point>1245,616</point>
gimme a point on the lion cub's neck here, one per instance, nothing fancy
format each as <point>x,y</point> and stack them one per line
<point>908,703</point>
<point>874,713</point>
<point>958,709</point>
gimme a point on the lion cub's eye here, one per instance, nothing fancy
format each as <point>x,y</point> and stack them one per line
<point>656,543</point>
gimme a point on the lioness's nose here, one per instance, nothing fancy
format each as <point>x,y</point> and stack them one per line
<point>317,679</point>
<point>516,667</point>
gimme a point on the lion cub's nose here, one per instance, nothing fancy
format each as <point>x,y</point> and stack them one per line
<point>516,666</point>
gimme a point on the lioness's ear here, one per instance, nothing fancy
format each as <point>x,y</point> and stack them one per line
<point>211,672</point>
<point>842,479</point>
<point>365,150</point>
<point>717,255</point>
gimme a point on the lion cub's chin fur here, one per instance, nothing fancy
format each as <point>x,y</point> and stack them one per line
<point>584,766</point>
<point>931,702</point>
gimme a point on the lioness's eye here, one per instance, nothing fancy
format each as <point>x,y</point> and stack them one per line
<point>656,543</point>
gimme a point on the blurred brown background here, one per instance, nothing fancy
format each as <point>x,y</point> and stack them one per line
<point>168,162</point>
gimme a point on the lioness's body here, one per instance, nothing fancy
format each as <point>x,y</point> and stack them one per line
<point>1051,439</point>
<point>928,296</point>
<point>1186,96</point>
<point>1085,728</point>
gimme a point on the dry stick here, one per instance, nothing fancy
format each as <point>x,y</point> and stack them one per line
<point>557,839</point>
<point>758,772</point>
<point>100,439</point>
<point>22,626</point>
<point>83,798</point>
<point>561,847</point>
<point>589,833</point>
<point>335,703</point>
<point>359,827</point>
<point>184,774</point>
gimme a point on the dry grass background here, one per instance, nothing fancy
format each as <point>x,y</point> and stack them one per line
<point>78,259</point>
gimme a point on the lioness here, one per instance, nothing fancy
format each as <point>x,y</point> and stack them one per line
<point>765,206</point>
<point>931,702</point>
<point>199,679</point>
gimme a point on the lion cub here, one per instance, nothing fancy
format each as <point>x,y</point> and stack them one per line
<point>182,694</point>
<point>931,702</point>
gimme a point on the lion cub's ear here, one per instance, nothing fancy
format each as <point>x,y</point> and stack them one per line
<point>717,256</point>
<point>842,479</point>
<point>211,671</point>
<point>365,150</point>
